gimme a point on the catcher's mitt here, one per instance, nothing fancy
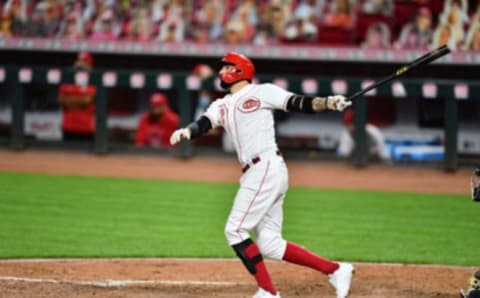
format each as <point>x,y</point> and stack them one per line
<point>473,287</point>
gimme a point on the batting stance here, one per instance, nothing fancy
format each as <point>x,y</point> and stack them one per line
<point>246,115</point>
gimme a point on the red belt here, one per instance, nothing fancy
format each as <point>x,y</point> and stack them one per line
<point>256,160</point>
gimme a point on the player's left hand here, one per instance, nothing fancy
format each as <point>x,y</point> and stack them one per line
<point>180,134</point>
<point>338,103</point>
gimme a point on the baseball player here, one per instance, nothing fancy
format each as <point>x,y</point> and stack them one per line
<point>78,103</point>
<point>157,125</point>
<point>246,115</point>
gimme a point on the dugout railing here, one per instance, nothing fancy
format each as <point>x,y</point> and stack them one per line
<point>17,77</point>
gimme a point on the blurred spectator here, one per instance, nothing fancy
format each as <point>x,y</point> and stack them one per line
<point>455,17</point>
<point>176,10</point>
<point>378,37</point>
<point>250,21</point>
<point>264,35</point>
<point>247,13</point>
<point>45,20</point>
<point>172,28</point>
<point>78,103</point>
<point>205,97</point>
<point>235,32</point>
<point>200,33</point>
<point>5,26</point>
<point>375,139</point>
<point>418,34</point>
<point>88,8</point>
<point>157,125</point>
<point>104,27</point>
<point>476,15</point>
<point>304,8</point>
<point>443,36</point>
<point>321,6</point>
<point>303,26</point>
<point>16,11</point>
<point>342,15</point>
<point>171,32</point>
<point>83,11</point>
<point>158,10</point>
<point>69,6</point>
<point>384,7</point>
<point>210,16</point>
<point>72,28</point>
<point>301,30</point>
<point>461,5</point>
<point>473,38</point>
<point>141,27</point>
<point>273,24</point>
<point>203,71</point>
<point>115,7</point>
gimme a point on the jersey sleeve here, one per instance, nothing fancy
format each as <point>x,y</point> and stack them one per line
<point>274,97</point>
<point>213,113</point>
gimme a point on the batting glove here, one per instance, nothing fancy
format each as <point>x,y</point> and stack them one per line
<point>180,134</point>
<point>338,103</point>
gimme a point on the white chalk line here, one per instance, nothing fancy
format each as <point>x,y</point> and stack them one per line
<point>86,260</point>
<point>114,283</point>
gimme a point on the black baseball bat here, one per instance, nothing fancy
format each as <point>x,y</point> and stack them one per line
<point>425,59</point>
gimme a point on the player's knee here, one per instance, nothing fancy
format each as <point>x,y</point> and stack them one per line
<point>229,233</point>
<point>235,235</point>
<point>272,246</point>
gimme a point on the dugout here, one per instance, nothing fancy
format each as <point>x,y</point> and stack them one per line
<point>439,101</point>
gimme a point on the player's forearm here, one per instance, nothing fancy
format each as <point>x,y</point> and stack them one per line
<point>193,130</point>
<point>309,104</point>
<point>199,127</point>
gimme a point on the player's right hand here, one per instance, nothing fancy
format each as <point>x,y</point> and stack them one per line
<point>338,103</point>
<point>180,134</point>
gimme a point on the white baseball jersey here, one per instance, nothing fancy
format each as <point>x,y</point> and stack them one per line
<point>247,117</point>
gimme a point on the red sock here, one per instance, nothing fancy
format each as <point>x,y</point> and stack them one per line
<point>302,256</point>
<point>261,276</point>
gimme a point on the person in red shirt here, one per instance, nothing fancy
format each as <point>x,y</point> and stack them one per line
<point>78,103</point>
<point>157,125</point>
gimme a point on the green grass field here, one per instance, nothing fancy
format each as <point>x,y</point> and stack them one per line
<point>58,216</point>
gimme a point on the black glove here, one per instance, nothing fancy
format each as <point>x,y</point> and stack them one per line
<point>475,181</point>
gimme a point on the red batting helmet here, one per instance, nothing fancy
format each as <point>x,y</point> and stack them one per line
<point>244,68</point>
<point>158,100</point>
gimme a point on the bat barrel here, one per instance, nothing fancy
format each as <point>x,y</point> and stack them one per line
<point>434,55</point>
<point>425,59</point>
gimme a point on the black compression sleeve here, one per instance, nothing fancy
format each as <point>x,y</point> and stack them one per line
<point>199,127</point>
<point>300,103</point>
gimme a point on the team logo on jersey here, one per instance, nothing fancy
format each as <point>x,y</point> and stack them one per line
<point>250,105</point>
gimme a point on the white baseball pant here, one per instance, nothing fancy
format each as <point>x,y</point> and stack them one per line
<point>258,206</point>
